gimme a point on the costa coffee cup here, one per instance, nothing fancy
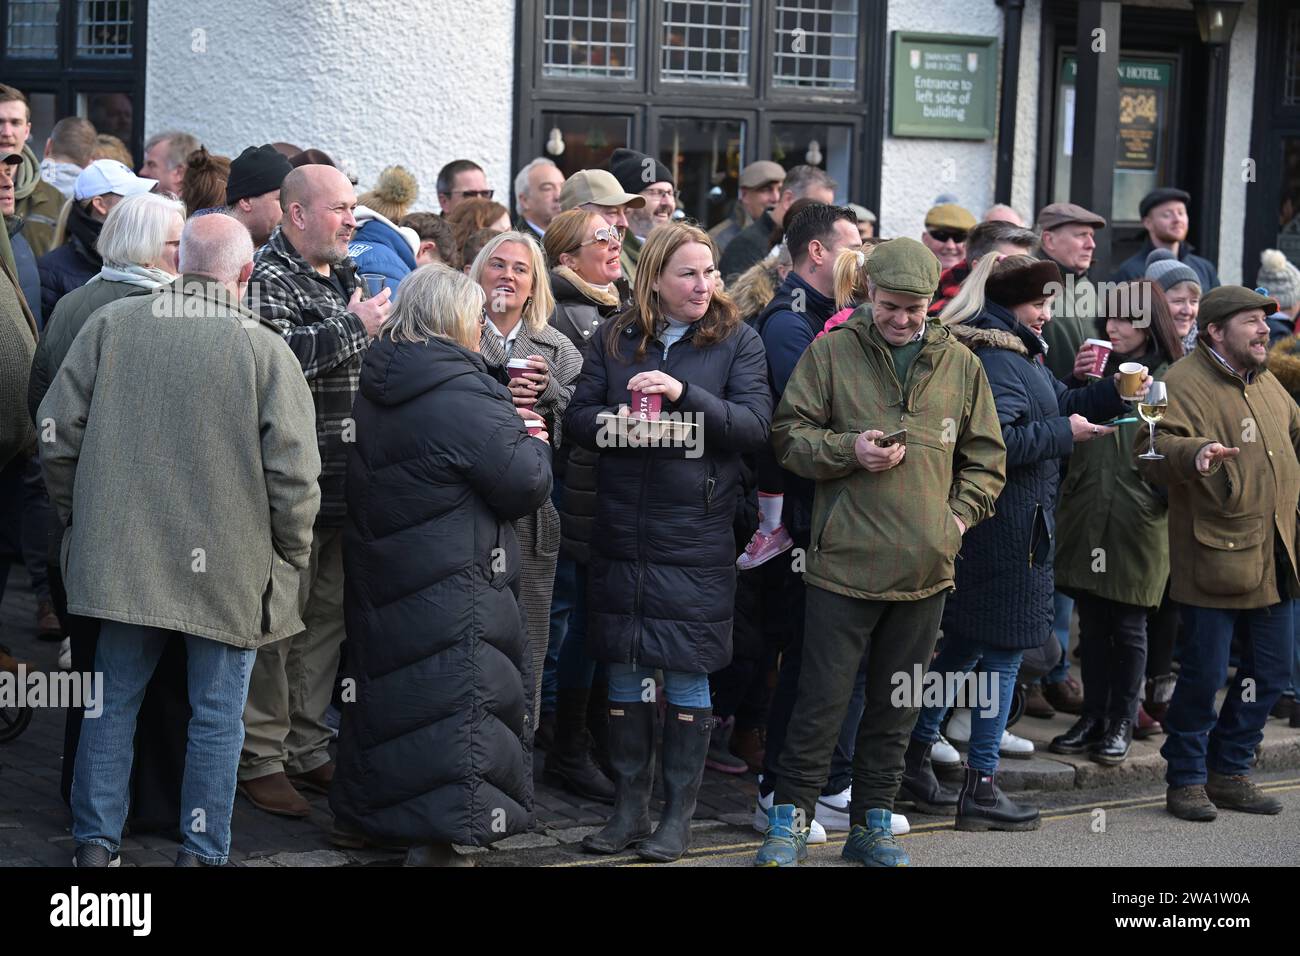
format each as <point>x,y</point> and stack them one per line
<point>516,368</point>
<point>1131,375</point>
<point>1101,352</point>
<point>647,406</point>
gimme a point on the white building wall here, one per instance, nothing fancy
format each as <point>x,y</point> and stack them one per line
<point>1236,146</point>
<point>1024,160</point>
<point>913,170</point>
<point>371,82</point>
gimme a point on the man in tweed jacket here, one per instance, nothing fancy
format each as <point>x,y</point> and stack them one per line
<point>305,285</point>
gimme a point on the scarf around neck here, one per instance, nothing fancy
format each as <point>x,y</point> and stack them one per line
<point>142,276</point>
<point>600,295</point>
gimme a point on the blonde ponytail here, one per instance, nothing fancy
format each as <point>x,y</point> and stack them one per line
<point>850,274</point>
<point>969,300</point>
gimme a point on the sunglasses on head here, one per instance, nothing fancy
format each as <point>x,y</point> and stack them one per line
<point>604,236</point>
<point>945,235</point>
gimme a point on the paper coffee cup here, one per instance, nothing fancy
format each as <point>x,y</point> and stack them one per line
<point>1101,354</point>
<point>647,406</point>
<point>1131,375</point>
<point>516,368</point>
<point>534,426</point>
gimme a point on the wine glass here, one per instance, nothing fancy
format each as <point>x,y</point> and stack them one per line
<point>1152,409</point>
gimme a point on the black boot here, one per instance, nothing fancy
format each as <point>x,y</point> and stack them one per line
<point>920,786</point>
<point>982,806</point>
<point>632,751</point>
<point>686,744</point>
<point>569,764</point>
<point>598,726</point>
<point>1085,734</point>
<point>1113,748</point>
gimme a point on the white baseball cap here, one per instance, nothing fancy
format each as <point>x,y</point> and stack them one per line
<point>109,176</point>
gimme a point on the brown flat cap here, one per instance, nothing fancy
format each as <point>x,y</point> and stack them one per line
<point>1223,303</point>
<point>949,216</point>
<point>1063,213</point>
<point>761,173</point>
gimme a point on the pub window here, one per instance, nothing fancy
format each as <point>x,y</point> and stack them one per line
<point>590,38</point>
<point>706,41</point>
<point>816,44</point>
<point>33,29</point>
<point>104,28</point>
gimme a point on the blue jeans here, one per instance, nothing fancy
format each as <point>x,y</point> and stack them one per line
<point>218,684</point>
<point>958,657</point>
<point>628,684</point>
<point>1295,651</point>
<point>563,601</point>
<point>1063,606</point>
<point>576,670</point>
<point>1195,740</point>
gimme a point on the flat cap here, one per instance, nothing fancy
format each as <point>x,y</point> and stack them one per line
<point>1158,197</point>
<point>1223,303</point>
<point>761,173</point>
<point>904,265</point>
<point>862,212</point>
<point>595,186</point>
<point>949,216</point>
<point>1062,213</point>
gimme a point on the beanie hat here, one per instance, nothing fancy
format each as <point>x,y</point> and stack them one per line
<point>393,193</point>
<point>1014,287</point>
<point>255,171</point>
<point>1164,269</point>
<point>637,171</point>
<point>1279,278</point>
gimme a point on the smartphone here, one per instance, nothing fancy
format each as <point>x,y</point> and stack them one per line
<point>895,438</point>
<point>1118,421</point>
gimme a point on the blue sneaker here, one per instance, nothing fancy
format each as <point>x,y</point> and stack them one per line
<point>874,844</point>
<point>784,843</point>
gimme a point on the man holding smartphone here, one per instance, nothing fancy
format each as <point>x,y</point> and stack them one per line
<point>888,517</point>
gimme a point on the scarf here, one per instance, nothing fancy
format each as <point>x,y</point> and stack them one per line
<point>606,295</point>
<point>142,276</point>
<point>27,176</point>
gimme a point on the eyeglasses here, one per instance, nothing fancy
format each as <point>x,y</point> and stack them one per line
<point>473,193</point>
<point>603,236</point>
<point>658,194</point>
<point>946,235</point>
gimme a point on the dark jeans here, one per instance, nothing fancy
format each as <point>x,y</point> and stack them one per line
<point>574,669</point>
<point>894,637</point>
<point>36,518</point>
<point>1162,636</point>
<point>1113,656</point>
<point>1196,739</point>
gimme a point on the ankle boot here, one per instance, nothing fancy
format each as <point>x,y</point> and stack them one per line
<point>632,751</point>
<point>920,786</point>
<point>1113,748</point>
<point>1086,733</point>
<point>982,806</point>
<point>686,743</point>
<point>569,764</point>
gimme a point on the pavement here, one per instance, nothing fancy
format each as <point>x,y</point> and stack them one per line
<point>35,824</point>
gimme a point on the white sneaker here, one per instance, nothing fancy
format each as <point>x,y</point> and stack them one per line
<point>958,728</point>
<point>944,754</point>
<point>833,811</point>
<point>816,832</point>
<point>1016,747</point>
<point>65,654</point>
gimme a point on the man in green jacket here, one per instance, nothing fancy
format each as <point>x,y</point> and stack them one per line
<point>1229,441</point>
<point>179,448</point>
<point>37,202</point>
<point>888,518</point>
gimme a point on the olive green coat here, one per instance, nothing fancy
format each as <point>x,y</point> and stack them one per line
<point>1112,532</point>
<point>1222,525</point>
<point>890,535</point>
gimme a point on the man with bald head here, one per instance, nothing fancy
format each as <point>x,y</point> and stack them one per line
<point>306,286</point>
<point>194,500</point>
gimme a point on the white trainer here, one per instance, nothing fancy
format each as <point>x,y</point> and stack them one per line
<point>816,832</point>
<point>958,728</point>
<point>944,754</point>
<point>1015,747</point>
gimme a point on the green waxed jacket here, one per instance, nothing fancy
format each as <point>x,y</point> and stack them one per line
<point>1112,528</point>
<point>890,535</point>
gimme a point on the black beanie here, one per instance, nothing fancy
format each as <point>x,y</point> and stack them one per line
<point>257,170</point>
<point>630,168</point>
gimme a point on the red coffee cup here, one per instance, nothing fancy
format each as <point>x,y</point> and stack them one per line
<point>516,368</point>
<point>647,405</point>
<point>535,426</point>
<point>1101,352</point>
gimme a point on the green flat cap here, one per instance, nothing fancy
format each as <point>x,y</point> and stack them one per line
<point>904,265</point>
<point>1223,303</point>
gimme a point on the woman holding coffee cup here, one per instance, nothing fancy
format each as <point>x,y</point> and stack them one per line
<point>541,366</point>
<point>1113,556</point>
<point>1002,605</point>
<point>663,572</point>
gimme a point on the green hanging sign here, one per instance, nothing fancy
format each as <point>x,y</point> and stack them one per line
<point>944,86</point>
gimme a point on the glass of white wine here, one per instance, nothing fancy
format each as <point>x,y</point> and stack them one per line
<point>1152,409</point>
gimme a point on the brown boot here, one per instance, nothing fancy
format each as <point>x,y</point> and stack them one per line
<point>1238,792</point>
<point>275,794</point>
<point>1036,704</point>
<point>1190,803</point>
<point>750,745</point>
<point>1066,696</point>
<point>317,780</point>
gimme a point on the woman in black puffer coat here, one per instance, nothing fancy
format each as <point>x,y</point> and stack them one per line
<point>663,571</point>
<point>1002,605</point>
<point>434,750</point>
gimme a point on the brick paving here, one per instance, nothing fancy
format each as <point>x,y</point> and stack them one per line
<point>35,825</point>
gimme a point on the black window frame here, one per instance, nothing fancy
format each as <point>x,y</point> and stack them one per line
<point>646,95</point>
<point>67,75</point>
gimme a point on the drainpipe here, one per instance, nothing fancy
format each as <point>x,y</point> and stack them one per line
<point>1012,15</point>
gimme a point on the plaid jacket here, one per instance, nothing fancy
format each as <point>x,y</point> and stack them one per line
<point>328,342</point>
<point>949,285</point>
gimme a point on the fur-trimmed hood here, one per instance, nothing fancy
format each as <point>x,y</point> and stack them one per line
<point>1284,362</point>
<point>974,337</point>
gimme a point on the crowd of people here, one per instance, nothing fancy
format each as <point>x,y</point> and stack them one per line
<point>349,497</point>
